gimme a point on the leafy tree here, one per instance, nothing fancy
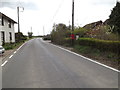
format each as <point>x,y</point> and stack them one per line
<point>114,18</point>
<point>59,32</point>
<point>80,31</point>
<point>20,37</point>
<point>30,34</point>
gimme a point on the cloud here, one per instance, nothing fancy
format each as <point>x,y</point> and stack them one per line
<point>15,3</point>
<point>103,2</point>
<point>53,11</point>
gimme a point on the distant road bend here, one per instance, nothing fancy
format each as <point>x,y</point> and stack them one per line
<point>39,64</point>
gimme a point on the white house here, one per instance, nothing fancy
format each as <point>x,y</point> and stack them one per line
<point>7,33</point>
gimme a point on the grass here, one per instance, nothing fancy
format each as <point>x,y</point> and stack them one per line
<point>87,50</point>
<point>9,46</point>
<point>97,54</point>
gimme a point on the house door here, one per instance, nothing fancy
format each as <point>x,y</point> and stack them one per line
<point>3,37</point>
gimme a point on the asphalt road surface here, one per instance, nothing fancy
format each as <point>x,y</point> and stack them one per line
<point>39,64</point>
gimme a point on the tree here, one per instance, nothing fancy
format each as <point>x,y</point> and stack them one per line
<point>20,37</point>
<point>80,31</point>
<point>114,18</point>
<point>59,33</point>
<point>30,34</point>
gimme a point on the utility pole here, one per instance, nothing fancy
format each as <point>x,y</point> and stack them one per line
<point>31,29</point>
<point>19,34</point>
<point>72,22</point>
<point>43,31</point>
<point>18,19</point>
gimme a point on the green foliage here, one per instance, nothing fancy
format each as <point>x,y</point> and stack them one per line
<point>87,50</point>
<point>47,37</point>
<point>114,19</point>
<point>9,46</point>
<point>111,55</point>
<point>58,33</point>
<point>103,45</point>
<point>82,49</point>
<point>67,42</point>
<point>61,34</point>
<point>103,32</point>
<point>19,37</point>
<point>80,31</point>
<point>30,34</point>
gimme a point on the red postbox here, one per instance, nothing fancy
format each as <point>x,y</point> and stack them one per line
<point>72,36</point>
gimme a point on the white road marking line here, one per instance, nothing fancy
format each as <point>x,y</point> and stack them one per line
<point>14,52</point>
<point>19,48</point>
<point>22,45</point>
<point>4,63</point>
<point>87,58</point>
<point>11,56</point>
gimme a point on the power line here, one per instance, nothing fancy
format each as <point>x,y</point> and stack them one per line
<point>57,10</point>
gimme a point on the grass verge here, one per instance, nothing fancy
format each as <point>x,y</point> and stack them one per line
<point>108,58</point>
<point>9,46</point>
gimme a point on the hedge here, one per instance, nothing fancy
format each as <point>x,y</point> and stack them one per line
<point>103,45</point>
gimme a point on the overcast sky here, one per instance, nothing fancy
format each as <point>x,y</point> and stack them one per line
<point>44,13</point>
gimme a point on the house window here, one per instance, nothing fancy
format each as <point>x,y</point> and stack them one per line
<point>9,24</point>
<point>10,34</point>
<point>2,21</point>
<point>3,37</point>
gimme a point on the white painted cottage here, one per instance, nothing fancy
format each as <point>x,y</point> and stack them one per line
<point>7,33</point>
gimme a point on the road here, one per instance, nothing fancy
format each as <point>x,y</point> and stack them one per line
<point>39,64</point>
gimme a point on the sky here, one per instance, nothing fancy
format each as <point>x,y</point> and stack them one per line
<point>39,16</point>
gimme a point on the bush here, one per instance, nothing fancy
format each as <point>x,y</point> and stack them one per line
<point>47,38</point>
<point>19,37</point>
<point>9,46</point>
<point>67,42</point>
<point>81,32</point>
<point>103,45</point>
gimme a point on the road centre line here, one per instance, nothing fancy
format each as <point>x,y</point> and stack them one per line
<point>87,58</point>
<point>4,63</point>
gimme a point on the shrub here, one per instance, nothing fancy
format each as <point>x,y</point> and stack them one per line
<point>8,46</point>
<point>103,45</point>
<point>46,38</point>
<point>80,31</point>
<point>67,42</point>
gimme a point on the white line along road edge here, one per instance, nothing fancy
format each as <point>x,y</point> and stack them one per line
<point>13,54</point>
<point>4,63</point>
<point>87,58</point>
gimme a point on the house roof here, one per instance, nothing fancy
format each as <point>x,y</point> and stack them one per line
<point>93,25</point>
<point>8,18</point>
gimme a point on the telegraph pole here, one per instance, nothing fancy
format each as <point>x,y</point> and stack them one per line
<point>19,34</point>
<point>31,29</point>
<point>72,22</point>
<point>18,19</point>
<point>43,31</point>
